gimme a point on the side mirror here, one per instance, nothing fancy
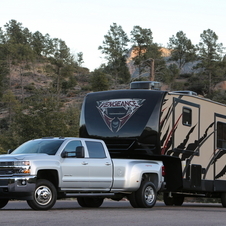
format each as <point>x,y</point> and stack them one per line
<point>9,151</point>
<point>64,154</point>
<point>80,152</point>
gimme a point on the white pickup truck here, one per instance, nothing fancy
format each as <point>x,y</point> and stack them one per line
<point>44,170</point>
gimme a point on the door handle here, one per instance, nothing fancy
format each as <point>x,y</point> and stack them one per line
<point>107,163</point>
<point>84,163</point>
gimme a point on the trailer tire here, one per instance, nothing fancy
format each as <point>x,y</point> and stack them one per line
<point>3,202</point>
<point>81,201</point>
<point>223,199</point>
<point>178,200</point>
<point>44,196</point>
<point>93,201</point>
<point>169,201</point>
<point>146,195</point>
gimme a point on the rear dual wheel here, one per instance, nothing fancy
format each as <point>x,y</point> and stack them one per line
<point>90,201</point>
<point>144,197</point>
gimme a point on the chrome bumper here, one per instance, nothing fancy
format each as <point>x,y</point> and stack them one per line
<point>18,187</point>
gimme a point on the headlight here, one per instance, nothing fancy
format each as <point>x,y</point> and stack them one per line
<point>22,166</point>
<point>24,170</point>
<point>22,163</point>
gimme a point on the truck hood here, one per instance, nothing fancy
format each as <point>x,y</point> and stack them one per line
<point>20,157</point>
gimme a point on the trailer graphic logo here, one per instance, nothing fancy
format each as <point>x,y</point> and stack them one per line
<point>116,112</point>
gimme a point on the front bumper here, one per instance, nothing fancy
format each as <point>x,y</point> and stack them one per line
<point>18,187</point>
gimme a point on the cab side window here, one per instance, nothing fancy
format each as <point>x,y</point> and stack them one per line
<point>71,147</point>
<point>95,149</point>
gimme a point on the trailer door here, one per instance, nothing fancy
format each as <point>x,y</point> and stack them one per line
<point>186,129</point>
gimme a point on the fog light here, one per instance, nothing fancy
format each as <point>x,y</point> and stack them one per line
<point>23,182</point>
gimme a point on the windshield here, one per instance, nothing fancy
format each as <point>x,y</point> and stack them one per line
<point>49,147</point>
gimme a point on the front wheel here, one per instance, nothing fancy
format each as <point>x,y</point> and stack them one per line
<point>44,196</point>
<point>3,202</point>
<point>223,199</point>
<point>146,195</point>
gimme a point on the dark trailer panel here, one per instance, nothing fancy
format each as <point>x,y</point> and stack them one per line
<point>129,123</point>
<point>127,120</point>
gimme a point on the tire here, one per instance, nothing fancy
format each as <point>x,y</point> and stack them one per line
<point>91,202</point>
<point>169,201</point>
<point>146,195</point>
<point>132,200</point>
<point>3,202</point>
<point>223,199</point>
<point>81,201</point>
<point>178,200</point>
<point>44,196</point>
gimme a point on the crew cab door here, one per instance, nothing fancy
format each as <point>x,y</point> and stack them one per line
<point>74,171</point>
<point>91,172</point>
<point>100,166</point>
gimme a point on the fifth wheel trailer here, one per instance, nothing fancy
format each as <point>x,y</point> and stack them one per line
<point>185,131</point>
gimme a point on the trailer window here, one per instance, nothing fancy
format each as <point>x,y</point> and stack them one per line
<point>221,135</point>
<point>95,149</point>
<point>186,116</point>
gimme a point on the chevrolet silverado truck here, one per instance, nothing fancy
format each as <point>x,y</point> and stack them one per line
<point>43,170</point>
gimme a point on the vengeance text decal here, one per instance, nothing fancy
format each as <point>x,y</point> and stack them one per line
<point>116,112</point>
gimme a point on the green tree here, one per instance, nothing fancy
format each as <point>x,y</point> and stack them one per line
<point>9,100</point>
<point>210,57</point>
<point>80,59</point>
<point>4,70</point>
<point>147,55</point>
<point>141,39</point>
<point>16,33</point>
<point>115,49</point>
<point>99,80</point>
<point>38,43</point>
<point>49,48</point>
<point>42,116</point>
<point>63,61</point>
<point>182,49</point>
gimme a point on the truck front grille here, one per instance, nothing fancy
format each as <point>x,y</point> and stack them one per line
<point>6,171</point>
<point>3,182</point>
<point>6,164</point>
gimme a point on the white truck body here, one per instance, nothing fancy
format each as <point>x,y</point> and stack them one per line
<point>89,171</point>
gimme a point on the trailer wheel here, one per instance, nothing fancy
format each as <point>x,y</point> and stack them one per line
<point>169,201</point>
<point>44,196</point>
<point>178,200</point>
<point>223,199</point>
<point>146,195</point>
<point>93,201</point>
<point>3,202</point>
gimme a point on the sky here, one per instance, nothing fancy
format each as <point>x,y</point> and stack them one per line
<point>82,24</point>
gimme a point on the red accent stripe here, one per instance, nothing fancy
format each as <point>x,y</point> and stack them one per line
<point>170,135</point>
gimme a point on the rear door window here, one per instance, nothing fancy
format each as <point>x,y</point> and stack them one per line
<point>95,149</point>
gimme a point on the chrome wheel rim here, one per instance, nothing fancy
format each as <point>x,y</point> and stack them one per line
<point>149,195</point>
<point>43,195</point>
